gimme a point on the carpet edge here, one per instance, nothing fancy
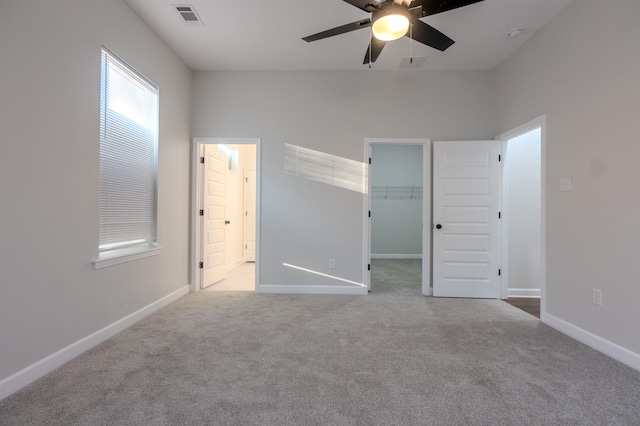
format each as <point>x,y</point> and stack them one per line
<point>38,369</point>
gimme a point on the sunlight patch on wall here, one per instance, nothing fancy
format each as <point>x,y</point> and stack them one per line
<point>325,168</point>
<point>322,275</point>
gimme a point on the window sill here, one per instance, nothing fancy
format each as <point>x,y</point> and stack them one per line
<point>125,256</point>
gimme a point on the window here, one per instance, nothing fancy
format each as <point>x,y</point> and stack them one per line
<point>128,159</point>
<point>231,151</point>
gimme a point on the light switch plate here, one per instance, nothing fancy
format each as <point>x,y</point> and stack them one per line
<point>565,184</point>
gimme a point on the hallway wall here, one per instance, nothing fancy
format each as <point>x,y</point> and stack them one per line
<point>522,166</point>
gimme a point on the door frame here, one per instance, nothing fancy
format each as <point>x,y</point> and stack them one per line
<point>244,205</point>
<point>505,137</point>
<point>426,208</point>
<point>195,249</point>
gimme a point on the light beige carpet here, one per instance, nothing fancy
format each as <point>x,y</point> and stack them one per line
<point>388,358</point>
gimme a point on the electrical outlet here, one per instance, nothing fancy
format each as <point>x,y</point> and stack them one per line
<point>597,297</point>
<point>332,264</point>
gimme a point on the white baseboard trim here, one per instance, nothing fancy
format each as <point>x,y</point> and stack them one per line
<point>235,264</point>
<point>396,256</point>
<point>611,349</point>
<point>311,289</point>
<point>31,373</point>
<point>524,292</point>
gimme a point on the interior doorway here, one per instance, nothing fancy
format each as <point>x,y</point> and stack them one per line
<point>225,214</point>
<point>397,235</point>
<point>523,207</point>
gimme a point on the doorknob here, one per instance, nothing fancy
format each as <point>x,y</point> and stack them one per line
<point>227,222</point>
<point>438,226</point>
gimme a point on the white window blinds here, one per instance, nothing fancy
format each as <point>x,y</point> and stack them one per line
<point>128,158</point>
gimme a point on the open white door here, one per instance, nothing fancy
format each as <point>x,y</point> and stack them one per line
<point>466,224</point>
<point>213,241</point>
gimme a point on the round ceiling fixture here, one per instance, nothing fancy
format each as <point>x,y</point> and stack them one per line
<point>390,23</point>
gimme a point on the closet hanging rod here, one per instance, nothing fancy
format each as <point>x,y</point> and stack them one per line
<point>396,192</point>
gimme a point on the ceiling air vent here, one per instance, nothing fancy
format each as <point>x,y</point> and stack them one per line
<point>189,15</point>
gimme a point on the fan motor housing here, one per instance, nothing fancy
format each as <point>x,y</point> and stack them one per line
<point>391,9</point>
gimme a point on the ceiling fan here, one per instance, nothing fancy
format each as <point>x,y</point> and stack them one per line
<point>393,19</point>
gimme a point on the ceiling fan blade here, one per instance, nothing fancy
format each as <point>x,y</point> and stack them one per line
<point>366,5</point>
<point>431,7</point>
<point>339,30</point>
<point>374,49</point>
<point>428,35</point>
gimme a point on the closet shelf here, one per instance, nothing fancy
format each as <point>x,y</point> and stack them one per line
<point>397,192</point>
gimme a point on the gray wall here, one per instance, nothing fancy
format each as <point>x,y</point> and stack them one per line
<point>305,223</point>
<point>50,296</point>
<point>583,71</point>
<point>396,224</point>
<point>522,168</point>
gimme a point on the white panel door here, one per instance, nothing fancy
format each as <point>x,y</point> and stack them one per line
<point>250,215</point>
<point>214,238</point>
<point>466,224</point>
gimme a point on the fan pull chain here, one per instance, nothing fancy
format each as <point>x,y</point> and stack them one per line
<point>410,44</point>
<point>370,39</point>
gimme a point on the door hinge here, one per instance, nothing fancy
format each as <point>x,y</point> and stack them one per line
<point>499,157</point>
<point>368,267</point>
<point>369,213</point>
<point>202,160</point>
<point>499,272</point>
<point>201,265</point>
<point>246,180</point>
<point>369,160</point>
<point>201,212</point>
<point>499,215</point>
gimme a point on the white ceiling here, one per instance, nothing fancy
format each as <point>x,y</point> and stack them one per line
<point>267,34</point>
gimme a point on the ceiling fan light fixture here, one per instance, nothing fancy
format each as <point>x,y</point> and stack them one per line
<point>391,23</point>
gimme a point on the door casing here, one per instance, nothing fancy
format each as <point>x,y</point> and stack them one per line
<point>504,137</point>
<point>426,208</point>
<point>249,237</point>
<point>195,276</point>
